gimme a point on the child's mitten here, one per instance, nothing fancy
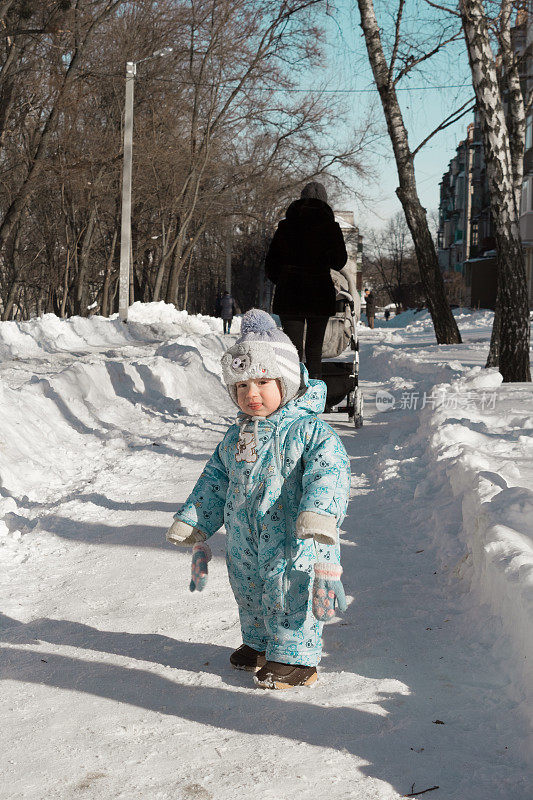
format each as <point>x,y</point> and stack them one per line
<point>201,555</point>
<point>327,588</point>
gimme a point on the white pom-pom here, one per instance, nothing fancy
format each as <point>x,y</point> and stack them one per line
<point>256,321</point>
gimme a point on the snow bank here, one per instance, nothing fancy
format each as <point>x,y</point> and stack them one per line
<point>166,314</point>
<point>412,320</point>
<point>388,361</point>
<point>146,322</point>
<point>67,417</point>
<point>481,435</point>
<point>476,436</point>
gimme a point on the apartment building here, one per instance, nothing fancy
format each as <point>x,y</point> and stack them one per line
<point>466,242</point>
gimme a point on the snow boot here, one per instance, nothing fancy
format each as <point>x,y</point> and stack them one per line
<point>275,675</point>
<point>245,657</point>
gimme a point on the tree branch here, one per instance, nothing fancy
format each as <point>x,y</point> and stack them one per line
<point>396,40</point>
<point>443,8</point>
<point>412,62</point>
<point>4,8</point>
<point>456,115</point>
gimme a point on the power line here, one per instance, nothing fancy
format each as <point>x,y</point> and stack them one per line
<point>322,91</point>
<point>398,89</point>
<point>292,90</point>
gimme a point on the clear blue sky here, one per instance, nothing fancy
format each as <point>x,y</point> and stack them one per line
<point>423,107</point>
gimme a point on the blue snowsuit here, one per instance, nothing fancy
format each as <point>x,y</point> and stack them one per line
<point>262,475</point>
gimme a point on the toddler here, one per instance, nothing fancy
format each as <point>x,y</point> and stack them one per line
<point>279,481</point>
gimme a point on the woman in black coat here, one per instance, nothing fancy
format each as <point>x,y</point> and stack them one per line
<point>306,245</point>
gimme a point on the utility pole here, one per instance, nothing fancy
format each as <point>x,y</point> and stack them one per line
<point>125,230</point>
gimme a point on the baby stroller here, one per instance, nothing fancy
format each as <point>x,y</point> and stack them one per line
<point>340,360</point>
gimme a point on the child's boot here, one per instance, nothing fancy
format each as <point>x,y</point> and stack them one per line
<point>275,675</point>
<point>245,657</point>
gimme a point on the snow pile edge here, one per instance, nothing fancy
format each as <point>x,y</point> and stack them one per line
<point>479,450</point>
<point>147,322</point>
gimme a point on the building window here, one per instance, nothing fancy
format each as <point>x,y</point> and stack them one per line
<point>475,234</point>
<point>529,132</point>
<point>525,200</point>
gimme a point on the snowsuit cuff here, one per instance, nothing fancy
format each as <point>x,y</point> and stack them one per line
<point>182,534</point>
<point>320,527</point>
<point>328,572</point>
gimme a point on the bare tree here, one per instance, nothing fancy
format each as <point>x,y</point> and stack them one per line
<point>503,146</point>
<point>390,263</point>
<point>235,113</point>
<point>215,139</point>
<point>83,26</point>
<point>386,76</point>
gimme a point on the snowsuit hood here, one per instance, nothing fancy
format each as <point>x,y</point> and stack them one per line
<point>315,189</point>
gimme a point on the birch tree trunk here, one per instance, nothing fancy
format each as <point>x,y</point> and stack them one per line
<point>512,283</point>
<point>516,113</point>
<point>446,330</point>
<point>516,128</point>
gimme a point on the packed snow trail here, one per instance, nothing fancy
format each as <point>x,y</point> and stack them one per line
<point>116,680</point>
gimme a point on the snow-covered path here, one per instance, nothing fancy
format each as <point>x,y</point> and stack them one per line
<point>115,679</point>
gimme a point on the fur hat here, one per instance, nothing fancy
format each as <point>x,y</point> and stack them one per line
<point>262,351</point>
<point>315,190</point>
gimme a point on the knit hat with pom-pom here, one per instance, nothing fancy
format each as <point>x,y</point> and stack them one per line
<point>262,351</point>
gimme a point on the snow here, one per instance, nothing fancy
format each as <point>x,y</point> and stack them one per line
<point>116,681</point>
<point>487,454</point>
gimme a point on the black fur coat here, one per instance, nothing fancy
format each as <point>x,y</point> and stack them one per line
<point>306,245</point>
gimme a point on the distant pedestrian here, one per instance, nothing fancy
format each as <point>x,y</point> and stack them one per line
<point>228,309</point>
<point>387,314</point>
<point>370,307</point>
<point>306,245</point>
